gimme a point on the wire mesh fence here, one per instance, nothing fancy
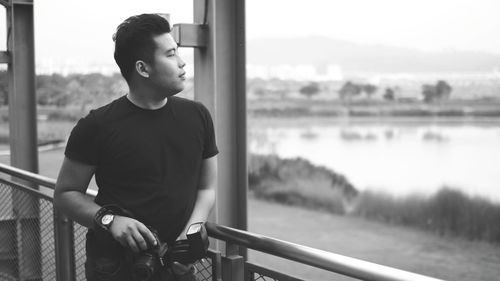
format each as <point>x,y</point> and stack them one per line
<point>256,272</point>
<point>27,251</point>
<point>47,240</point>
<point>79,248</point>
<point>259,277</point>
<point>204,269</point>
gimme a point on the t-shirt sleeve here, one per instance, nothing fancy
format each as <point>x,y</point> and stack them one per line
<point>210,145</point>
<point>83,143</point>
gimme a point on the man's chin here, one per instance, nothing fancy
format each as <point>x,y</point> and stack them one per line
<point>175,92</point>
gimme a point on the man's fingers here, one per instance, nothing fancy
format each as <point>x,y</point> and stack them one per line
<point>132,244</point>
<point>146,233</point>
<point>132,234</point>
<point>141,243</point>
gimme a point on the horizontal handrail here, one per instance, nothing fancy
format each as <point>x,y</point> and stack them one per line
<point>318,258</point>
<point>35,178</point>
<point>29,176</point>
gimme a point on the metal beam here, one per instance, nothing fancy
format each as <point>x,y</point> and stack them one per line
<point>4,3</point>
<point>22,98</point>
<point>190,35</point>
<point>220,83</point>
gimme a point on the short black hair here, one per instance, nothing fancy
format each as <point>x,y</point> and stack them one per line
<point>134,40</point>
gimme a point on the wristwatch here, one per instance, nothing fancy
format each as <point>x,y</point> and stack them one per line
<point>104,218</point>
<point>107,220</point>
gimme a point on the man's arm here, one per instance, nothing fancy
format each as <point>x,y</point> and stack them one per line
<point>69,195</point>
<point>206,194</point>
<point>70,198</point>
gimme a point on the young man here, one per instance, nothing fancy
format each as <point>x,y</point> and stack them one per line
<point>153,156</point>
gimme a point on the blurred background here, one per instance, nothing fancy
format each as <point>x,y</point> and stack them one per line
<point>373,126</point>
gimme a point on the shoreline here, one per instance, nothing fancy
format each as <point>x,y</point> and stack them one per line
<point>347,120</point>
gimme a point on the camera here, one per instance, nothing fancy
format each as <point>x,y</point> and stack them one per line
<point>195,247</point>
<point>147,262</point>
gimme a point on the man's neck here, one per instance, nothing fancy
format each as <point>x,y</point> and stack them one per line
<point>146,101</point>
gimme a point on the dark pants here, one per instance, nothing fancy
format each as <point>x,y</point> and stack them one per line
<point>109,269</point>
<point>108,261</point>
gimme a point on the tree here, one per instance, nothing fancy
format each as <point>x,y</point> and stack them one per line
<point>389,94</point>
<point>369,89</point>
<point>259,91</point>
<point>51,90</point>
<point>349,90</point>
<point>443,89</point>
<point>440,91</point>
<point>310,90</point>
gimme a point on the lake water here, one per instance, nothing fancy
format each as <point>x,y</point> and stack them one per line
<point>396,156</point>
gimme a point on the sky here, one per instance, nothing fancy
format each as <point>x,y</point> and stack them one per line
<point>80,31</point>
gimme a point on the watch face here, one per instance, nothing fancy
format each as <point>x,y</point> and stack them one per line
<point>107,219</point>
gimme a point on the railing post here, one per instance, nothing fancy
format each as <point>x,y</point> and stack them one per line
<point>216,267</point>
<point>64,246</point>
<point>233,268</point>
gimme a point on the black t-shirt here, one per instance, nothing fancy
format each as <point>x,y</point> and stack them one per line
<point>147,161</point>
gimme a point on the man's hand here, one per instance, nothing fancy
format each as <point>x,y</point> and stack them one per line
<point>132,234</point>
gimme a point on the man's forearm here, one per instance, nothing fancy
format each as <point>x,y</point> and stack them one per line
<point>77,206</point>
<point>204,204</point>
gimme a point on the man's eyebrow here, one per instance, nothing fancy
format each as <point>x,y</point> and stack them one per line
<point>171,49</point>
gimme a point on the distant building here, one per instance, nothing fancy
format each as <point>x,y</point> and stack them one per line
<point>72,66</point>
<point>300,72</point>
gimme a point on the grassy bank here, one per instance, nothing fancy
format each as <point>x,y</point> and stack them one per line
<point>400,247</point>
<point>448,212</point>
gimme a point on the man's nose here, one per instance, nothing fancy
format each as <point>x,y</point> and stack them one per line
<point>181,62</point>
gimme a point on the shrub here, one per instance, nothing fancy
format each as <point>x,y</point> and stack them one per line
<point>298,182</point>
<point>448,212</point>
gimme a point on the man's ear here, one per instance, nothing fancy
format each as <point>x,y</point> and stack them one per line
<point>142,68</point>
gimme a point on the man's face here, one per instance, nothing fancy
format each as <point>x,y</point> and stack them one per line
<point>167,73</point>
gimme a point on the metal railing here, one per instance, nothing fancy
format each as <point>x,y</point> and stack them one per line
<point>39,243</point>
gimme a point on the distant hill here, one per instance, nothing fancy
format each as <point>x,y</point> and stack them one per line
<point>355,58</point>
